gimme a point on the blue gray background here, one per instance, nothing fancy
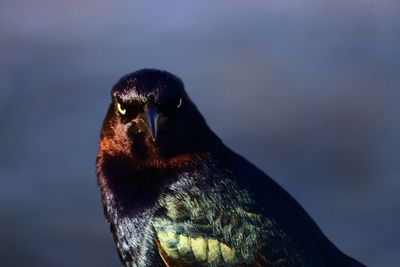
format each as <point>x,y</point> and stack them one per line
<point>307,90</point>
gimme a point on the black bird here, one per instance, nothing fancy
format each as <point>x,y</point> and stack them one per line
<point>175,195</point>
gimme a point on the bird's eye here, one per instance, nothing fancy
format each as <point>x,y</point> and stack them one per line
<point>171,107</point>
<point>121,109</point>
<point>179,103</point>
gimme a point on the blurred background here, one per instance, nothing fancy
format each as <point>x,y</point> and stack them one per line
<point>307,90</point>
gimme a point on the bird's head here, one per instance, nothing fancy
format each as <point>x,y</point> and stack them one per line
<point>152,120</point>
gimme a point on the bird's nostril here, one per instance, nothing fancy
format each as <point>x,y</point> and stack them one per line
<point>147,122</point>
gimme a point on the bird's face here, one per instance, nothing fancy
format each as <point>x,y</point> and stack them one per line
<point>151,118</point>
<point>147,115</point>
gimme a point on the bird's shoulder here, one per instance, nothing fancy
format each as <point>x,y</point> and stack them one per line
<point>290,217</point>
<point>231,213</point>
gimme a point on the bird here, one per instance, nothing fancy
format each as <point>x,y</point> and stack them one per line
<point>174,194</point>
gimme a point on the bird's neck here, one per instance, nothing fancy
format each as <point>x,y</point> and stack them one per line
<point>129,187</point>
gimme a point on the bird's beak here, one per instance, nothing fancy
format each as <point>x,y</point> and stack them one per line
<point>150,118</point>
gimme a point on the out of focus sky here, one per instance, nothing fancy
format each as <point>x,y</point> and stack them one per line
<point>307,90</point>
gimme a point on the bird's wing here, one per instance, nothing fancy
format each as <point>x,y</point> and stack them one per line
<point>195,248</point>
<point>216,225</point>
<point>183,250</point>
<point>305,243</point>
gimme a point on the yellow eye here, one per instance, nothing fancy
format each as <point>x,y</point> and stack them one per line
<point>180,103</point>
<point>120,109</point>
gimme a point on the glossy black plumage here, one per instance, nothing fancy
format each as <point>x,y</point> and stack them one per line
<point>175,195</point>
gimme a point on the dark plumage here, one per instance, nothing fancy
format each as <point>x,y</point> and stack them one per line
<point>175,195</point>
